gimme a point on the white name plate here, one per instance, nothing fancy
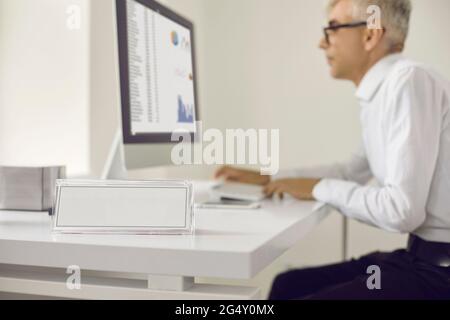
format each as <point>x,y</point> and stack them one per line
<point>124,207</point>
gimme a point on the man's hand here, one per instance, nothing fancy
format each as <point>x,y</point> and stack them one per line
<point>301,189</point>
<point>243,176</point>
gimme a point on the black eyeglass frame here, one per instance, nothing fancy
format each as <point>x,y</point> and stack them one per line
<point>342,26</point>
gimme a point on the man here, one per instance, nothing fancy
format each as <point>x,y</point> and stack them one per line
<point>406,147</point>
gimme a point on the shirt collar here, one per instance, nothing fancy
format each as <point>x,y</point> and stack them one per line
<point>375,77</point>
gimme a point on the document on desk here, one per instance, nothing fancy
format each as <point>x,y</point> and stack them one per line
<point>148,207</point>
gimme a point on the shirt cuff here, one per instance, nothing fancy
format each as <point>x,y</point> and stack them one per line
<point>323,191</point>
<point>335,192</point>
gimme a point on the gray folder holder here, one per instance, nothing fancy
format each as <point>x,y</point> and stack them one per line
<point>124,207</point>
<point>28,188</point>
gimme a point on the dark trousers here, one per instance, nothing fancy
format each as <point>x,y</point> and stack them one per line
<point>402,277</point>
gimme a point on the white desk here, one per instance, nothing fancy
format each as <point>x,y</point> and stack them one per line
<point>227,244</point>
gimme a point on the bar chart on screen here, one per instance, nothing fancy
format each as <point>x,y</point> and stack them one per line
<point>185,111</point>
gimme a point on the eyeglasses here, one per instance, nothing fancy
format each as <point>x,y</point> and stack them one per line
<point>327,30</point>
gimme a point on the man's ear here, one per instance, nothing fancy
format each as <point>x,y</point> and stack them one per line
<point>372,38</point>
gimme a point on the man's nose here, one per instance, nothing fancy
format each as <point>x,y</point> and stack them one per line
<point>323,44</point>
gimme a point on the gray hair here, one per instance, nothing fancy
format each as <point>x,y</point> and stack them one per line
<point>395,16</point>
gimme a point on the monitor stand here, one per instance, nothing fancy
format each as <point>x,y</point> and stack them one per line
<point>115,163</point>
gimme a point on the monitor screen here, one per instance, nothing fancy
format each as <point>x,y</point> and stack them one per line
<point>157,72</point>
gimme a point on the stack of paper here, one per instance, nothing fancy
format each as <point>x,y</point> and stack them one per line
<point>31,189</point>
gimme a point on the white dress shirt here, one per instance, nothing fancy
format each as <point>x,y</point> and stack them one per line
<point>406,148</point>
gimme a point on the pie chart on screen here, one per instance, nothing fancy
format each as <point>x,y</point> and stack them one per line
<point>174,37</point>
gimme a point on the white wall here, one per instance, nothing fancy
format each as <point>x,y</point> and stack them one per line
<point>43,85</point>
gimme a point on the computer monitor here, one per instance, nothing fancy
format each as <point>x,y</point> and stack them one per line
<point>158,83</point>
